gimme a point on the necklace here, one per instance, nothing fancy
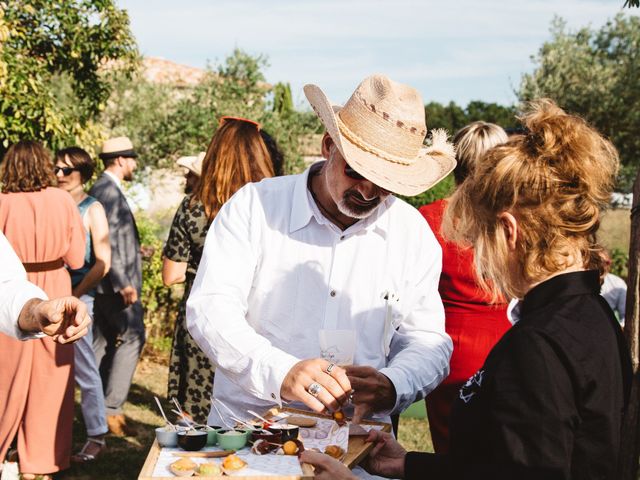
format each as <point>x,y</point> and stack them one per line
<point>323,209</point>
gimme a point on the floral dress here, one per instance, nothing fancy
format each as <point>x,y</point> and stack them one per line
<point>190,370</point>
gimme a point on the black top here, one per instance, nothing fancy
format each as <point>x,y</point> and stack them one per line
<point>549,400</point>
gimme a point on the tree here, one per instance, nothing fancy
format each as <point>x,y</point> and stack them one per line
<point>453,117</point>
<point>166,122</point>
<point>52,81</point>
<point>596,74</point>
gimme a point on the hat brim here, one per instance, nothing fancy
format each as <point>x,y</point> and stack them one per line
<point>426,170</point>
<point>188,163</point>
<point>121,153</point>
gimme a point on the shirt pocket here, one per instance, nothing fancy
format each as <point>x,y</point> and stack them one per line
<point>376,327</point>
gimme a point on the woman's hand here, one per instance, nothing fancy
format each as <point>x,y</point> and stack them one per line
<point>387,457</point>
<point>327,468</point>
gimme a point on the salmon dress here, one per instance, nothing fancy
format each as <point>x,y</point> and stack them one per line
<point>36,376</point>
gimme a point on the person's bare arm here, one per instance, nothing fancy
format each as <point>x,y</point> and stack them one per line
<point>173,272</point>
<point>99,230</point>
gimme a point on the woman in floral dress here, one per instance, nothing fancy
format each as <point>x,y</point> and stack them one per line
<point>237,154</point>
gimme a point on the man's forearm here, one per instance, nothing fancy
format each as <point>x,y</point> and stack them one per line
<point>27,321</point>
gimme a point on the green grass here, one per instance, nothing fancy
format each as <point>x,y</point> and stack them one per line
<point>124,457</point>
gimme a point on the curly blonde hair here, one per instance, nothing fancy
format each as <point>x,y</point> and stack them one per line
<point>554,180</point>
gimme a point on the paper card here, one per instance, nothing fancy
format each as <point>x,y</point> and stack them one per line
<point>337,346</point>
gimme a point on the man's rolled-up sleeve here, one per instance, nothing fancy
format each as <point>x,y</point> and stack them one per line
<point>420,348</point>
<point>218,303</point>
<point>15,292</point>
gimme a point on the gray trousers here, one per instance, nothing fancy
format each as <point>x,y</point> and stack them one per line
<point>118,338</point>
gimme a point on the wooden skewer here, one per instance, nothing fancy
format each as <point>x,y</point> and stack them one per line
<point>224,453</point>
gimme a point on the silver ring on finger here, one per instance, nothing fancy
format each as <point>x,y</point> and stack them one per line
<point>314,389</point>
<point>330,368</point>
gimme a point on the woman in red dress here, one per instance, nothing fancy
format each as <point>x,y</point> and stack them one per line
<point>472,320</point>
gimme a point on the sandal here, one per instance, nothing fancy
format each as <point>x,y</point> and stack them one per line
<point>83,457</point>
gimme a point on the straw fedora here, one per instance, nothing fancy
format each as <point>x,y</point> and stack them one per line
<point>117,147</point>
<point>193,164</point>
<point>380,132</point>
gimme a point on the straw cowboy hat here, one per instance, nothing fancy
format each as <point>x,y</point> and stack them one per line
<point>193,164</point>
<point>380,133</point>
<point>117,147</point>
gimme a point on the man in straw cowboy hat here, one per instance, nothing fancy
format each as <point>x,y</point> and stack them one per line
<point>118,316</point>
<point>306,272</point>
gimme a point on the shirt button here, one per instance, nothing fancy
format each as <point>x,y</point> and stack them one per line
<point>273,395</point>
<point>342,237</point>
<point>333,293</point>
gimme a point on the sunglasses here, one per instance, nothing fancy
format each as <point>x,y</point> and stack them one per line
<point>351,173</point>
<point>227,118</point>
<point>66,171</point>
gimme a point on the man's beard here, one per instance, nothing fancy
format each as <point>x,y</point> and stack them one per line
<point>128,176</point>
<point>353,209</point>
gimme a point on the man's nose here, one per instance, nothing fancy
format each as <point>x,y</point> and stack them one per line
<point>368,190</point>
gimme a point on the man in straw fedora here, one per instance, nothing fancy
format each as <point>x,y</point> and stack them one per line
<point>297,268</point>
<point>118,315</point>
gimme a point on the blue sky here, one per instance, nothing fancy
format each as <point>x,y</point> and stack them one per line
<point>458,50</point>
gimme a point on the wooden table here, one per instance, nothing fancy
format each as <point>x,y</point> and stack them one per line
<point>358,449</point>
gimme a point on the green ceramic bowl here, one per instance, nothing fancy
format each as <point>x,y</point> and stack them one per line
<point>231,439</point>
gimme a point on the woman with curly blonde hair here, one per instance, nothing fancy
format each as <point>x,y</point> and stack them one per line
<point>548,401</point>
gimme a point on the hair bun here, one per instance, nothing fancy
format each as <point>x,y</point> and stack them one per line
<point>574,155</point>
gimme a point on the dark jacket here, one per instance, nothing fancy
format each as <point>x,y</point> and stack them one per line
<point>548,402</point>
<point>126,261</point>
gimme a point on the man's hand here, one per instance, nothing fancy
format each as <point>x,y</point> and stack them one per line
<point>334,386</point>
<point>129,295</point>
<point>373,391</point>
<point>387,456</point>
<point>64,319</point>
<point>327,468</point>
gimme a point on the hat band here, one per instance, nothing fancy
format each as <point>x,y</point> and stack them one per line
<point>129,153</point>
<point>363,145</point>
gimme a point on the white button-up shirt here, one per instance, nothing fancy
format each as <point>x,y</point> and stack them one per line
<point>15,291</point>
<point>275,271</point>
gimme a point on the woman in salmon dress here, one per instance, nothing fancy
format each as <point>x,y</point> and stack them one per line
<point>44,228</point>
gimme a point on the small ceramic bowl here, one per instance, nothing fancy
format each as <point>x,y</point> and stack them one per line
<point>167,437</point>
<point>192,440</point>
<point>232,439</point>
<point>212,436</point>
<point>287,432</point>
<point>266,435</point>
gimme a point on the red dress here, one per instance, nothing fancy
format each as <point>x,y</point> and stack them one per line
<point>472,322</point>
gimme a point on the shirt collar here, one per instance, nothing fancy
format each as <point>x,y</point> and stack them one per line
<point>114,178</point>
<point>564,285</point>
<point>301,210</point>
<point>304,209</point>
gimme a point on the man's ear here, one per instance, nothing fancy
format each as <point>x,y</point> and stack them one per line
<point>510,225</point>
<point>327,143</point>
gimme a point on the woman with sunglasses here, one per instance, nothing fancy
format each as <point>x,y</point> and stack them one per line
<point>549,400</point>
<point>237,154</point>
<point>73,168</point>
<point>44,228</point>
